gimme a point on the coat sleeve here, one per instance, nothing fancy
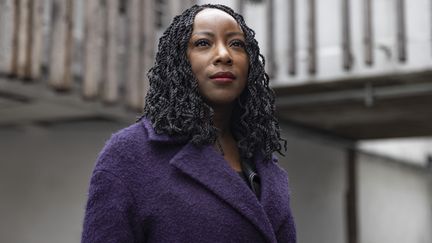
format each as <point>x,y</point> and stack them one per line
<point>109,215</point>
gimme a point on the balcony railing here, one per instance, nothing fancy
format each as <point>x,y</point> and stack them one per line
<point>101,48</point>
<point>104,48</point>
<point>314,41</point>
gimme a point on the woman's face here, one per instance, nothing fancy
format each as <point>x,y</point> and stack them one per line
<point>217,54</point>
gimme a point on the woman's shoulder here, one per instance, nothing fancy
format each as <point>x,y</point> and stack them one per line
<point>121,146</point>
<point>127,138</point>
<point>133,145</point>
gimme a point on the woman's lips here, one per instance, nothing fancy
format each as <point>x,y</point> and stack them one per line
<point>223,77</point>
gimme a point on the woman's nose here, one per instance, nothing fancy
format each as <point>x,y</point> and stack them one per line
<point>223,56</point>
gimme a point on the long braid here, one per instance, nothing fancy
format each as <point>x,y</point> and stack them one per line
<point>175,106</point>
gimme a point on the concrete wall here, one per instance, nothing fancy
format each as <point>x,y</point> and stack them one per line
<point>44,174</point>
<point>317,174</point>
<point>395,202</point>
<point>416,151</point>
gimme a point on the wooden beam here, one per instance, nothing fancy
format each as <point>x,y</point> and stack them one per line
<point>111,80</point>
<point>72,103</point>
<point>149,43</point>
<point>60,77</point>
<point>134,84</point>
<point>356,94</point>
<point>94,44</point>
<point>37,39</point>
<point>175,7</point>
<point>271,41</point>
<point>24,39</point>
<point>15,37</point>
<point>7,23</point>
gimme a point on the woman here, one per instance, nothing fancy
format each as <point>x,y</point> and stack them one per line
<point>197,166</point>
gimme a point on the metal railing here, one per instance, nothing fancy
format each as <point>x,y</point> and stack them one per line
<point>104,48</point>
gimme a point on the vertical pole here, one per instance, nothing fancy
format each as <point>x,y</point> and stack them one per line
<point>69,43</point>
<point>312,45</point>
<point>23,39</point>
<point>15,37</point>
<point>37,38</point>
<point>175,7</point>
<point>94,44</point>
<point>292,36</point>
<point>29,40</point>
<point>60,77</point>
<point>111,84</point>
<point>7,22</point>
<point>271,68</point>
<point>149,43</point>
<point>346,35</point>
<point>351,196</point>
<point>401,30</point>
<point>241,6</point>
<point>368,32</point>
<point>133,83</point>
<point>186,4</point>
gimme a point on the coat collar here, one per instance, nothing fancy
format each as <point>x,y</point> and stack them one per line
<point>205,165</point>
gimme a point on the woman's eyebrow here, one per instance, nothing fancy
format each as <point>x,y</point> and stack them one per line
<point>231,34</point>
<point>209,33</point>
<point>204,33</point>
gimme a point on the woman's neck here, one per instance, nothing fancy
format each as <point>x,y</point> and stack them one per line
<point>221,119</point>
<point>225,141</point>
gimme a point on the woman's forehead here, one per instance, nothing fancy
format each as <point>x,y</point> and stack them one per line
<point>213,16</point>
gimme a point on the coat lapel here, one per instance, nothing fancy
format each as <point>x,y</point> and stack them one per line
<point>206,166</point>
<point>274,192</point>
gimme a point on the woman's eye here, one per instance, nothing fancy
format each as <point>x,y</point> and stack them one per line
<point>201,43</point>
<point>238,43</point>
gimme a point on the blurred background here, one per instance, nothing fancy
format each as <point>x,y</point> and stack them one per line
<point>353,80</point>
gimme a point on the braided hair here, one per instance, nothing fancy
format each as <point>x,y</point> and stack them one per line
<point>175,106</point>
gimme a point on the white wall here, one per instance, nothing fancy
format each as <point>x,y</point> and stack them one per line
<point>317,174</point>
<point>408,150</point>
<point>44,176</point>
<point>395,202</point>
<point>394,199</point>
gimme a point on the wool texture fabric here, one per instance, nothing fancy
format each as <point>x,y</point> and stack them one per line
<point>148,187</point>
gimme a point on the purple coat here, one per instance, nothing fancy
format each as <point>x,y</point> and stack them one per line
<point>153,188</point>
